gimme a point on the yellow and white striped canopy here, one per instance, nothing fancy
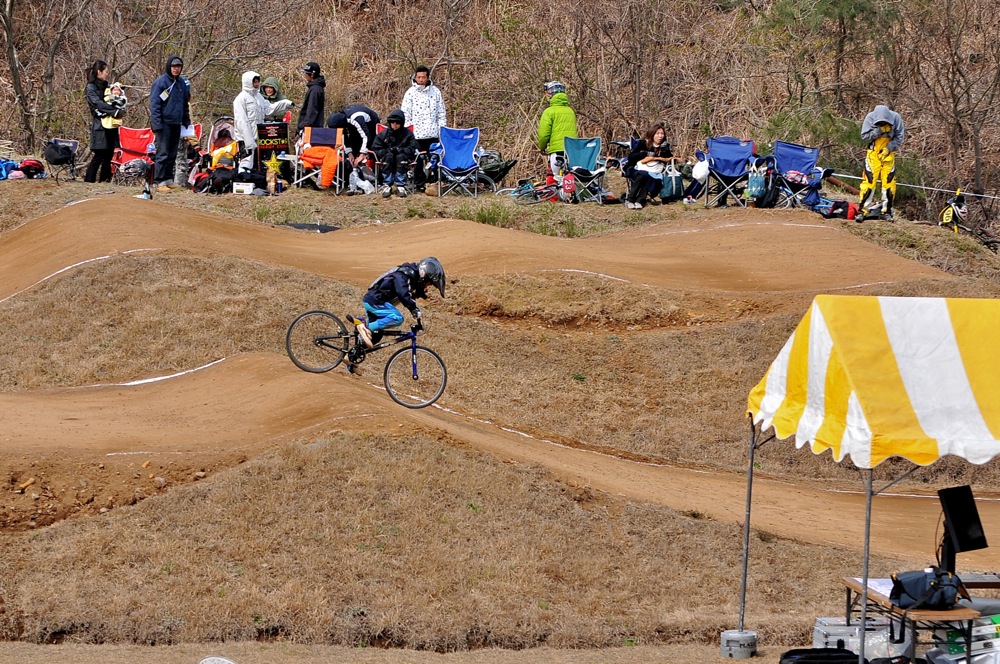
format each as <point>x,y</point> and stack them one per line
<point>877,377</point>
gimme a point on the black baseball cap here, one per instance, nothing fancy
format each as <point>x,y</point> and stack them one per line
<point>311,68</point>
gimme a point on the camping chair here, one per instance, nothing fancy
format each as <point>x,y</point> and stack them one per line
<point>798,176</point>
<point>307,169</point>
<point>582,156</point>
<point>728,169</point>
<point>60,154</point>
<point>134,145</point>
<point>458,169</point>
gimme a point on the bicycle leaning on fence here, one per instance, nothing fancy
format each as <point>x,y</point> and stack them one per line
<point>414,376</point>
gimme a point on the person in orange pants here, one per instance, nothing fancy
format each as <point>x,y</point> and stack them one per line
<point>324,158</point>
<point>884,131</point>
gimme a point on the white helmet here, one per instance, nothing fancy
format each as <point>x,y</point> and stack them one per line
<point>553,87</point>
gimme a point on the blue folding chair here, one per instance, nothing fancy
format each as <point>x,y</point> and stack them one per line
<point>582,156</point>
<point>458,169</point>
<point>798,176</point>
<point>729,161</point>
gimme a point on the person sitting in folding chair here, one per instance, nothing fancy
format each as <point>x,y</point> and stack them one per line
<point>645,166</point>
<point>395,148</point>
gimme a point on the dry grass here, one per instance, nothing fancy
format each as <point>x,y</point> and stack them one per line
<point>413,542</point>
<point>379,541</point>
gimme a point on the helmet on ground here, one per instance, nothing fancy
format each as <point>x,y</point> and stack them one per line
<point>960,208</point>
<point>135,168</point>
<point>553,87</point>
<point>431,272</point>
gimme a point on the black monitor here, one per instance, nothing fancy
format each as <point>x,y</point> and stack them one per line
<point>963,531</point>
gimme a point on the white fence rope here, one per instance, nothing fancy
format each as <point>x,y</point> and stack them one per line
<point>917,186</point>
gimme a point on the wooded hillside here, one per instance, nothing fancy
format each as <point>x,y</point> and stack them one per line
<point>799,70</point>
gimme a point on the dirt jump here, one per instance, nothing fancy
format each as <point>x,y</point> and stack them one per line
<point>237,407</point>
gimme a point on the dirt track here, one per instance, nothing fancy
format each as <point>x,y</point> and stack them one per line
<point>765,256</point>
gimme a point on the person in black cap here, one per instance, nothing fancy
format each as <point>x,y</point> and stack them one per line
<point>313,111</point>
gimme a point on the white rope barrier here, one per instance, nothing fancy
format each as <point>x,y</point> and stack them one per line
<point>917,186</point>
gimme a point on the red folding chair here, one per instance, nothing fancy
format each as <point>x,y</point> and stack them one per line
<point>134,145</point>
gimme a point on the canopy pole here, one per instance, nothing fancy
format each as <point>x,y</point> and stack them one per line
<point>746,521</point>
<point>864,568</point>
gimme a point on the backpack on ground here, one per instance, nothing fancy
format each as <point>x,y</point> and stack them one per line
<point>32,168</point>
<point>6,166</point>
<point>222,181</point>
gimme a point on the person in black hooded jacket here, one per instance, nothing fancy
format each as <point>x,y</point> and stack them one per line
<point>395,148</point>
<point>102,141</point>
<point>313,111</point>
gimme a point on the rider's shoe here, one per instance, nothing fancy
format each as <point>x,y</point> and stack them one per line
<point>365,334</point>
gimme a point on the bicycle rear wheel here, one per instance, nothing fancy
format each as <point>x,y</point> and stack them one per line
<point>317,341</point>
<point>415,377</point>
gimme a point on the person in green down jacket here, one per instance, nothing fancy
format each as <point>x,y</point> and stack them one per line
<point>557,122</point>
<point>270,89</point>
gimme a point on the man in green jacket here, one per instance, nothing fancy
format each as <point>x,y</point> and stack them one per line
<point>557,122</point>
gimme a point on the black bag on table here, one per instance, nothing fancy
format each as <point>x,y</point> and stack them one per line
<point>936,589</point>
<point>819,656</point>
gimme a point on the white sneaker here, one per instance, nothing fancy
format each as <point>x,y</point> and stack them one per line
<point>688,200</point>
<point>365,334</point>
<point>386,191</point>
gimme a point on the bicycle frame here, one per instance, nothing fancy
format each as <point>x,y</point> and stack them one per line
<point>358,352</point>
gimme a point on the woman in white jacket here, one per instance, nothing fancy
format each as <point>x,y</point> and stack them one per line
<point>249,109</point>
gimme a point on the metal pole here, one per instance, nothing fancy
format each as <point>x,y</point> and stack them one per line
<point>864,568</point>
<point>746,523</point>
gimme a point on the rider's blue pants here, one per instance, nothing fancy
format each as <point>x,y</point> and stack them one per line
<point>382,316</point>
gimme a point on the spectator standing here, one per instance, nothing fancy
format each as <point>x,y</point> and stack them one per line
<point>249,110</point>
<point>270,90</point>
<point>557,122</point>
<point>313,106</point>
<point>103,140</point>
<point>884,131</point>
<point>423,109</point>
<point>169,110</point>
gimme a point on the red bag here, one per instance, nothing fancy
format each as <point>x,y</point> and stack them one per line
<point>32,168</point>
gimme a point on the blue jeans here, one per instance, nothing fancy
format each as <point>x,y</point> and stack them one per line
<point>382,316</point>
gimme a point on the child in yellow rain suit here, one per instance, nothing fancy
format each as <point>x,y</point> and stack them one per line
<point>884,131</point>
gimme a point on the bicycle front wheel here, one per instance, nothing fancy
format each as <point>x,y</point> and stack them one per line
<point>317,341</point>
<point>415,377</point>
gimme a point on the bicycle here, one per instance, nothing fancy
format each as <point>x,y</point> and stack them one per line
<point>954,216</point>
<point>528,192</point>
<point>414,376</point>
